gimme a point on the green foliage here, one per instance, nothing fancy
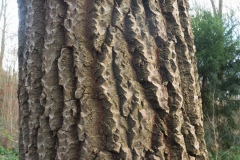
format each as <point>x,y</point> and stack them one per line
<point>209,40</point>
<point>8,138</point>
<point>8,154</point>
<point>218,53</point>
<point>231,154</point>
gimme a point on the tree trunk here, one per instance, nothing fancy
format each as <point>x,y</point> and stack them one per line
<point>3,36</point>
<point>3,13</point>
<point>1,10</point>
<point>214,7</point>
<point>220,8</point>
<point>108,79</point>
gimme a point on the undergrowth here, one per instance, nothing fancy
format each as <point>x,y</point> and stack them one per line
<point>231,154</point>
<point>8,154</point>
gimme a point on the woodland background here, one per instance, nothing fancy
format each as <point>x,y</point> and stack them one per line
<point>216,27</point>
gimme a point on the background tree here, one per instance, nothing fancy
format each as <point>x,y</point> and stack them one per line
<point>108,80</point>
<point>4,26</point>
<point>8,82</point>
<point>3,11</point>
<point>217,42</point>
<point>217,11</point>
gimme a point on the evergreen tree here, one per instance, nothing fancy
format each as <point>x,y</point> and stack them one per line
<point>217,51</point>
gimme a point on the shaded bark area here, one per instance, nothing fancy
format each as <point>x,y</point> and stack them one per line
<point>108,79</point>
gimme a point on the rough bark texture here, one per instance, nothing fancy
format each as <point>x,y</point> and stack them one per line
<point>108,79</point>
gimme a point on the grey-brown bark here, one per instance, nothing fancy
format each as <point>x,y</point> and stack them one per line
<point>108,79</point>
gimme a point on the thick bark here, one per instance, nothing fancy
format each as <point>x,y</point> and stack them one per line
<point>108,79</point>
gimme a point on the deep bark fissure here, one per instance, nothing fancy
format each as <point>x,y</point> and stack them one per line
<point>52,94</point>
<point>167,80</point>
<point>34,67</point>
<point>131,46</point>
<point>122,59</point>
<point>68,139</point>
<point>157,30</point>
<point>195,118</point>
<point>106,84</point>
<point>142,59</point>
<point>21,42</point>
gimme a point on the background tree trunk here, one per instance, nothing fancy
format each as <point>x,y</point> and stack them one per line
<point>220,8</point>
<point>1,9</point>
<point>3,30</point>
<point>108,80</point>
<point>217,11</point>
<point>214,7</point>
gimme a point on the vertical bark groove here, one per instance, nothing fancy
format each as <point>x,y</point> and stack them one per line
<point>21,89</point>
<point>187,58</point>
<point>52,97</point>
<point>108,79</point>
<point>30,76</point>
